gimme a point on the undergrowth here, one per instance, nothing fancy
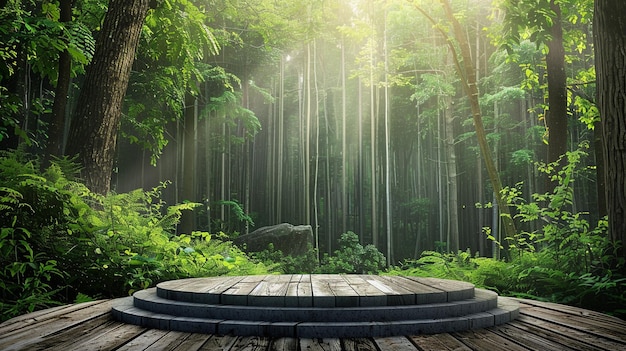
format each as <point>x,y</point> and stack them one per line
<point>61,243</point>
<point>565,260</point>
<point>350,258</point>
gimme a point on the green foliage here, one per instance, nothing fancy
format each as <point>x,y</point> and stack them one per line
<point>569,260</point>
<point>568,235</point>
<point>36,32</point>
<point>25,276</point>
<point>130,245</point>
<point>583,96</point>
<point>459,266</point>
<point>59,240</point>
<point>221,107</point>
<point>287,264</point>
<point>32,38</point>
<point>352,257</point>
<point>8,109</point>
<point>30,209</point>
<point>168,72</point>
<point>564,260</point>
<point>81,45</point>
<point>235,222</point>
<point>532,20</point>
<point>522,157</point>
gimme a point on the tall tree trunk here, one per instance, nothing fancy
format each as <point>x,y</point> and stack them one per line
<point>359,179</point>
<point>208,160</point>
<point>470,85</point>
<point>453,193</point>
<point>388,211</point>
<point>330,214</point>
<point>495,219</point>
<point>440,180</point>
<point>556,117</point>
<point>225,171</point>
<point>57,124</point>
<point>418,182</point>
<point>95,125</point>
<point>482,248</point>
<point>272,202</point>
<point>315,223</point>
<point>281,142</point>
<point>373,152</point>
<point>598,147</point>
<point>344,144</point>
<point>610,46</point>
<point>307,139</point>
<point>188,160</point>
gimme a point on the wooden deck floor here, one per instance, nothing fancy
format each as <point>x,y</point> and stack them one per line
<point>90,326</point>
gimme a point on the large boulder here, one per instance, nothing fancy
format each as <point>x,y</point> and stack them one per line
<point>291,240</point>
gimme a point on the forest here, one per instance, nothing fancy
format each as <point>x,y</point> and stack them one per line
<point>478,140</point>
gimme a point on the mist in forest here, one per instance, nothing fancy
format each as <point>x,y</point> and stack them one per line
<point>352,116</point>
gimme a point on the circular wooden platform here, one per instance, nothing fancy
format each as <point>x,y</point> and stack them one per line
<point>91,326</point>
<point>315,306</point>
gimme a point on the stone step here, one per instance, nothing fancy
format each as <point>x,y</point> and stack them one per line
<point>316,290</point>
<point>482,300</point>
<point>124,310</point>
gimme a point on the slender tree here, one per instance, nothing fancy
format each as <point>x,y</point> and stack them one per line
<point>552,25</point>
<point>308,118</point>
<point>556,119</point>
<point>610,46</point>
<point>467,74</point>
<point>388,170</point>
<point>452,176</point>
<point>95,124</point>
<point>344,143</point>
<point>317,147</point>
<point>55,130</point>
<point>373,145</point>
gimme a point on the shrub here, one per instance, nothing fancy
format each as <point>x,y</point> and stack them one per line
<point>26,274</point>
<point>287,264</point>
<point>566,260</point>
<point>32,211</point>
<point>352,257</point>
<point>58,240</point>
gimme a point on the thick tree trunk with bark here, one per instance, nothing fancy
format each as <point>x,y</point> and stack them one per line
<point>556,118</point>
<point>610,52</point>
<point>95,124</point>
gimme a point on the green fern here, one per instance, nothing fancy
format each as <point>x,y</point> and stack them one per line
<point>58,239</point>
<point>81,43</point>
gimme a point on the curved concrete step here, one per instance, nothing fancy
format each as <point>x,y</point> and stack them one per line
<point>483,300</point>
<point>125,311</point>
